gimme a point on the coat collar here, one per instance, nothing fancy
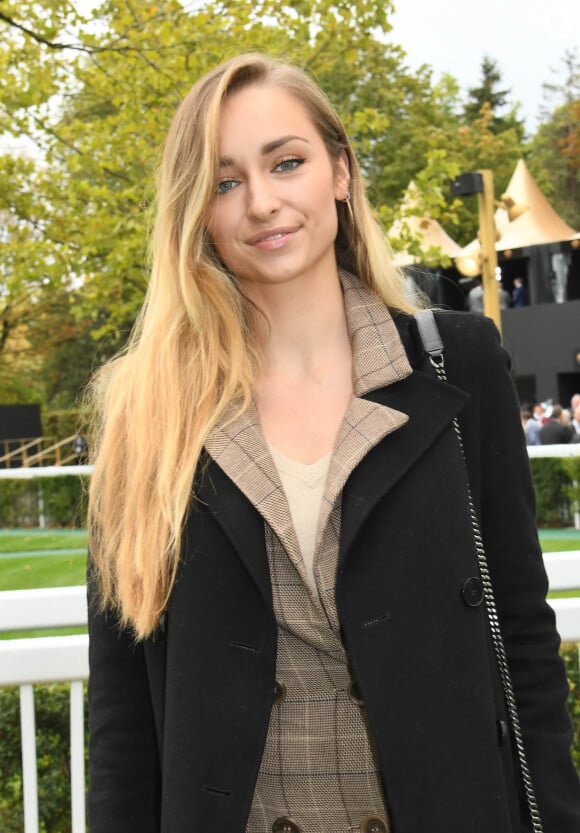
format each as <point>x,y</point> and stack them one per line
<point>389,411</point>
<point>238,446</point>
<point>379,357</point>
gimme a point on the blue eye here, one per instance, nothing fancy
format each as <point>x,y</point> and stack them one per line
<point>226,185</point>
<point>288,164</point>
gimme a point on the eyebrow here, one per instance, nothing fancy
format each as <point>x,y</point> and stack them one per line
<point>269,147</point>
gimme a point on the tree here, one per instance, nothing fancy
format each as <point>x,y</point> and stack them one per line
<point>94,94</point>
<point>99,110</point>
<point>555,149</point>
<point>487,95</point>
<point>565,89</point>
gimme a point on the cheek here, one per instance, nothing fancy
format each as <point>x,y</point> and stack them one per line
<point>218,227</point>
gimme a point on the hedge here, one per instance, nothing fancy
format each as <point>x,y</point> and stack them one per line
<point>52,714</point>
<point>61,423</point>
<point>62,501</point>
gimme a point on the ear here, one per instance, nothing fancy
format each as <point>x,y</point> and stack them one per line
<point>341,177</point>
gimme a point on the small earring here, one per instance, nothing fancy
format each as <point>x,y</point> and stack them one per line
<point>348,204</point>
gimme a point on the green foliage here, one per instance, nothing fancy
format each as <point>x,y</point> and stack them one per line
<point>554,154</point>
<point>80,210</point>
<point>570,656</point>
<point>552,484</point>
<point>64,501</point>
<point>60,424</point>
<point>556,172</point>
<point>94,92</point>
<point>571,467</point>
<point>53,756</point>
<point>18,503</point>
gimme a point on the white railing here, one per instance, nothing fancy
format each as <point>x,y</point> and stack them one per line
<point>40,660</point>
<point>26,662</point>
<point>554,450</point>
<point>30,473</point>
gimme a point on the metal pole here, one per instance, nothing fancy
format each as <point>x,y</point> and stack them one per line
<point>486,205</point>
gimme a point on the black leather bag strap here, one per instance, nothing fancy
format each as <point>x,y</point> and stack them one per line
<point>433,346</point>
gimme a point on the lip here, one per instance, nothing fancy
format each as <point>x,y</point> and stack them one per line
<point>273,238</point>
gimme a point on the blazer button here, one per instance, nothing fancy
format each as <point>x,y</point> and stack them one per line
<point>373,824</point>
<point>279,692</point>
<point>284,825</point>
<point>354,694</point>
<point>472,591</point>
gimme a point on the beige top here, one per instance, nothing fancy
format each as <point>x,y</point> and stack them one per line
<point>304,488</point>
<point>319,770</point>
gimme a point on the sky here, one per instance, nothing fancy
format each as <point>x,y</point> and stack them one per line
<point>526,37</point>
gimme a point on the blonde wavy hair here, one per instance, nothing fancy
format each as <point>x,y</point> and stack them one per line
<point>195,348</point>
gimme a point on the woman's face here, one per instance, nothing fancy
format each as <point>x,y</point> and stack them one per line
<point>273,217</point>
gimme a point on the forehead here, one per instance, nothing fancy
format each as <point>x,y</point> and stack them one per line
<point>260,113</point>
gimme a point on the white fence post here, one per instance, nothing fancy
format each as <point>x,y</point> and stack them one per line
<point>77,756</point>
<point>29,776</point>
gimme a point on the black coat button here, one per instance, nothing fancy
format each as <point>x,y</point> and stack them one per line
<point>284,825</point>
<point>354,694</point>
<point>279,692</point>
<point>373,824</point>
<point>472,591</point>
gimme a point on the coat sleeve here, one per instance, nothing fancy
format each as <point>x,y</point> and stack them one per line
<point>504,495</point>
<point>124,771</point>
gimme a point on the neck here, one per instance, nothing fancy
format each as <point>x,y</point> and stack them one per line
<point>307,326</point>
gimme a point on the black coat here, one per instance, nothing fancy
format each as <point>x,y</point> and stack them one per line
<point>178,722</point>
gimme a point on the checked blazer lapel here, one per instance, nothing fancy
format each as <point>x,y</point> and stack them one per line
<point>238,447</point>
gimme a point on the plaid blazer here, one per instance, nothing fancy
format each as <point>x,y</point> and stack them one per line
<point>319,766</point>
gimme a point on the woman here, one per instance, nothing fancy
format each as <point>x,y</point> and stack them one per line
<point>285,610</point>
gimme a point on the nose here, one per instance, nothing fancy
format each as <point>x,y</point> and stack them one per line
<point>262,200</point>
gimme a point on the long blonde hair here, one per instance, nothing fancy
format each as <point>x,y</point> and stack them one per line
<point>194,349</point>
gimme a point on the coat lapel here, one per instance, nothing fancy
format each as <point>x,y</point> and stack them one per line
<point>431,406</point>
<point>241,522</point>
<point>239,448</point>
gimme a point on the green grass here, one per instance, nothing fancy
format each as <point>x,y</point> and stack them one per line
<point>559,540</point>
<point>22,572</point>
<point>51,558</point>
<point>33,540</point>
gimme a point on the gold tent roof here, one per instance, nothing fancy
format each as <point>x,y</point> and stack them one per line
<point>537,224</point>
<point>533,220</point>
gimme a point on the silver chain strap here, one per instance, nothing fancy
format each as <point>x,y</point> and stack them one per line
<point>438,363</point>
